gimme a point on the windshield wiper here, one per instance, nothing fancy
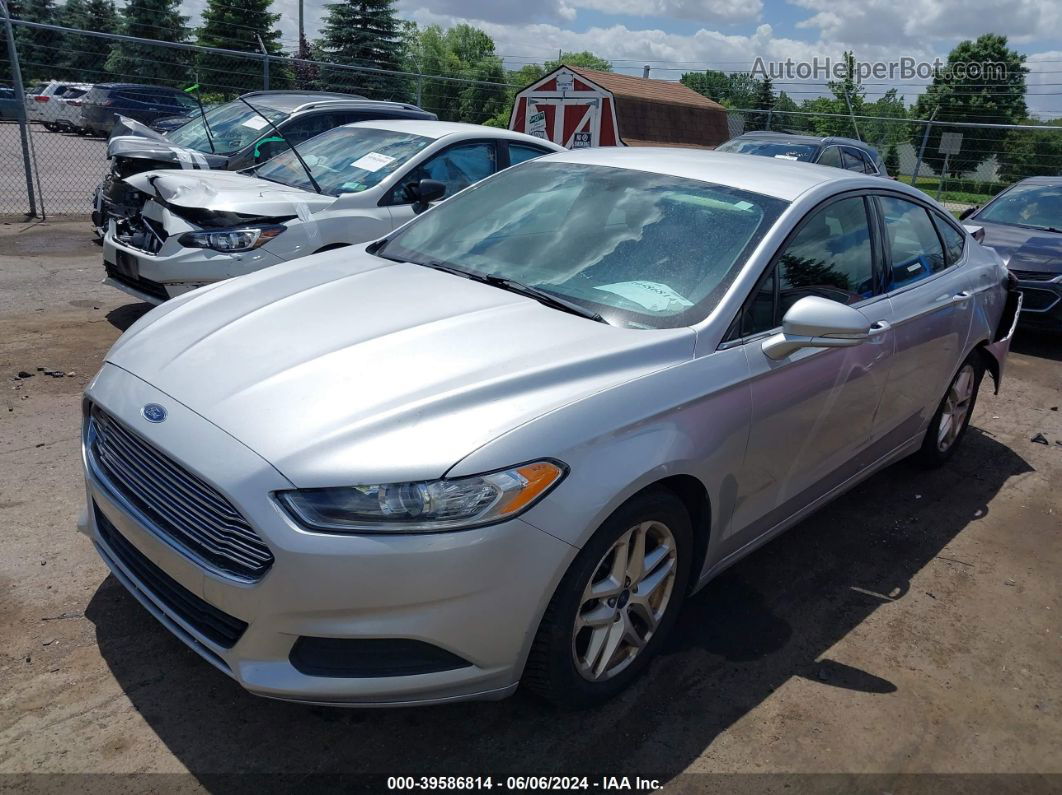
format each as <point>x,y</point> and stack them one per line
<point>513,286</point>
<point>542,296</point>
<point>202,115</point>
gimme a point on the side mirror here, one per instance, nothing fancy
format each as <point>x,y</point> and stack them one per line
<point>425,192</point>
<point>815,322</point>
<point>976,232</point>
<point>967,213</point>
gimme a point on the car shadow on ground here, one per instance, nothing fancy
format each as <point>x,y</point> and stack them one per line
<point>125,316</point>
<point>1039,343</point>
<point>773,616</point>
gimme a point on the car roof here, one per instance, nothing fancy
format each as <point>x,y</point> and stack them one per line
<point>809,139</point>
<point>115,86</point>
<point>441,129</point>
<point>768,176</point>
<point>294,101</point>
<point>1052,181</point>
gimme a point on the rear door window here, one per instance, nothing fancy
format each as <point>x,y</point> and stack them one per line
<point>954,240</point>
<point>911,239</point>
<point>519,153</point>
<point>831,156</point>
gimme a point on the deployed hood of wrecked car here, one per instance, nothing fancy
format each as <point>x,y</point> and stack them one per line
<point>344,366</point>
<point>227,191</point>
<point>134,140</point>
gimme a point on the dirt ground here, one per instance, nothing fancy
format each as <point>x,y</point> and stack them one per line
<point>914,626</point>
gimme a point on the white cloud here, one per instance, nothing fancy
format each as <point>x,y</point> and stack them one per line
<point>919,21</point>
<point>510,11</point>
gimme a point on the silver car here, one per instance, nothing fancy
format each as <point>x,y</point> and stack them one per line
<point>504,443</point>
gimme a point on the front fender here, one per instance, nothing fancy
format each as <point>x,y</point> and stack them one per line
<point>690,419</point>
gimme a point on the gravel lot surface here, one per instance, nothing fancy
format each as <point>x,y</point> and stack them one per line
<point>913,626</point>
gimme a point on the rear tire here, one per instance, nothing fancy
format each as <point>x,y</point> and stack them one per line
<point>615,605</point>
<point>952,417</point>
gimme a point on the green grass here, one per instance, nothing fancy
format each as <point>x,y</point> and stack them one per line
<point>930,184</point>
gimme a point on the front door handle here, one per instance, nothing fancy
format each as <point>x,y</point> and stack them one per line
<point>959,297</point>
<point>879,327</point>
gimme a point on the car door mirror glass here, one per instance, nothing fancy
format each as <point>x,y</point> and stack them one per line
<point>816,322</point>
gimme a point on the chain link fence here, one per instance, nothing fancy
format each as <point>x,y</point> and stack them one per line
<point>57,167</point>
<point>961,164</point>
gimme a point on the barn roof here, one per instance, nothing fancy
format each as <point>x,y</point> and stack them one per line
<point>646,89</point>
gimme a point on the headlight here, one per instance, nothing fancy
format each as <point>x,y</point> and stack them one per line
<point>424,507</point>
<point>229,240</point>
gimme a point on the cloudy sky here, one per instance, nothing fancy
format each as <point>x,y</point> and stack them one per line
<point>674,36</point>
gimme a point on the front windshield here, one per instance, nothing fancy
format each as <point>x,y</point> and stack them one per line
<point>1038,206</point>
<point>767,148</point>
<point>345,159</point>
<point>643,250</point>
<point>232,126</point>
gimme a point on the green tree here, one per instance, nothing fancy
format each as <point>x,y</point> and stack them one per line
<point>763,101</point>
<point>737,90</point>
<point>84,56</point>
<point>39,51</point>
<point>1032,153</point>
<point>993,91</point>
<point>238,25</point>
<point>148,63</point>
<point>585,59</point>
<point>365,33</point>
<point>892,161</point>
<point>464,52</point>
<point>890,127</point>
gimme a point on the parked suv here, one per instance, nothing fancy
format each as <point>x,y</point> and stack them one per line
<point>42,101</point>
<point>102,106</point>
<point>235,135</point>
<point>847,153</point>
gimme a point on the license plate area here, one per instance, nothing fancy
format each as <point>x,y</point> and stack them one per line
<point>126,265</point>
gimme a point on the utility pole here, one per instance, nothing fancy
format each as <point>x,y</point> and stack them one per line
<point>302,32</point>
<point>265,62</point>
<point>20,98</point>
<point>922,149</point>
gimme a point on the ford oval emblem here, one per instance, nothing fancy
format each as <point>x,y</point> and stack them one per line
<point>153,412</point>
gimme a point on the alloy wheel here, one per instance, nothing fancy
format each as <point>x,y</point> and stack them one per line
<point>956,407</point>
<point>624,601</point>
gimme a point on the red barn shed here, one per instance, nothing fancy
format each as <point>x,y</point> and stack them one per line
<point>578,107</point>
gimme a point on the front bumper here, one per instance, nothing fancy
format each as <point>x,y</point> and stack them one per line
<point>157,277</point>
<point>476,594</point>
<point>1042,301</point>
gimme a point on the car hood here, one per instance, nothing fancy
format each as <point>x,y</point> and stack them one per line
<point>1023,249</point>
<point>136,141</point>
<point>229,192</point>
<point>343,367</point>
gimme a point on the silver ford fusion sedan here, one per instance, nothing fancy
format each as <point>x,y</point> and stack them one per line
<point>503,444</point>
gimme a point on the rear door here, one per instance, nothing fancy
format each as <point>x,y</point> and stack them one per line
<point>930,313</point>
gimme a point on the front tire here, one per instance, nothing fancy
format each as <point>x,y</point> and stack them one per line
<point>952,418</point>
<point>615,605</point>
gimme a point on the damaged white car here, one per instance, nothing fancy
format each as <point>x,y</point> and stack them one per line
<point>349,185</point>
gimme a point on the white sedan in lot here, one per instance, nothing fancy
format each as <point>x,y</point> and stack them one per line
<point>353,184</point>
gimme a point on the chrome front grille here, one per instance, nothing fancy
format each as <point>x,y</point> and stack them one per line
<point>194,516</point>
<point>1034,276</point>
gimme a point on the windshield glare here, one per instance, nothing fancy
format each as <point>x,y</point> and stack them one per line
<point>232,126</point>
<point>1027,205</point>
<point>779,149</point>
<point>644,250</point>
<point>345,160</point>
